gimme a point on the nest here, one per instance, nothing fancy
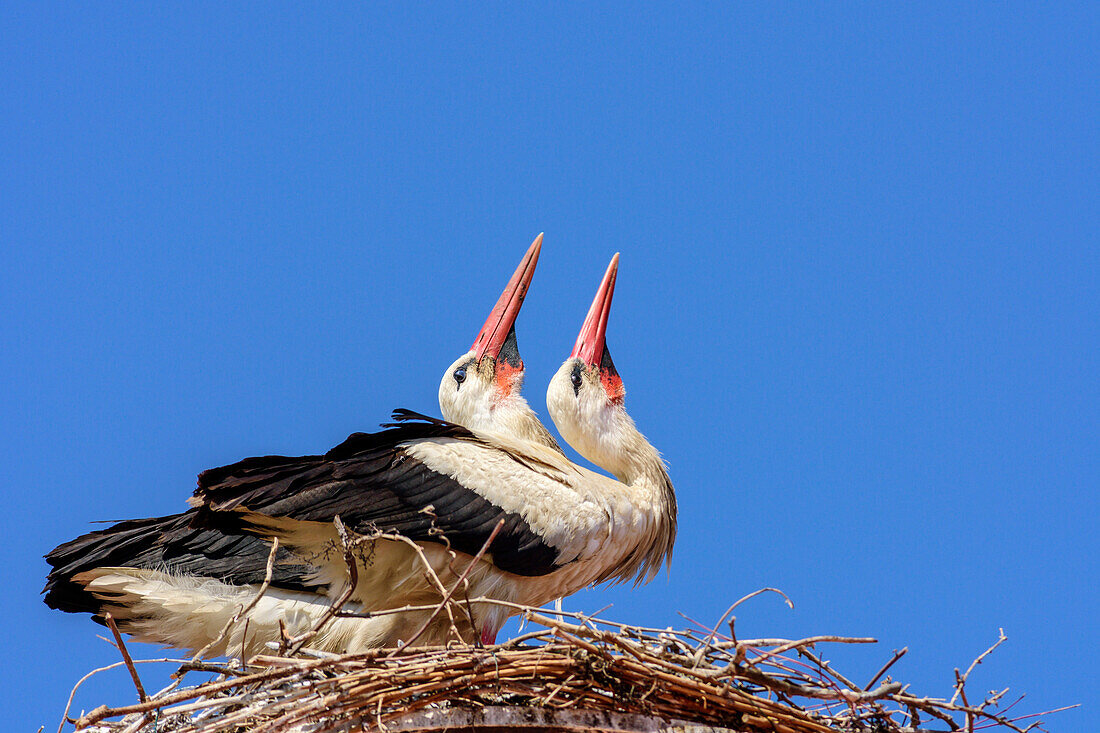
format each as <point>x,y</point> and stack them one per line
<point>582,673</point>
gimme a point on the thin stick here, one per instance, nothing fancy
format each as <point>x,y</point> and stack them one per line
<point>825,666</point>
<point>790,604</point>
<point>787,646</point>
<point>1001,638</point>
<point>461,578</point>
<point>431,573</point>
<point>331,611</point>
<point>245,610</point>
<point>142,697</point>
<point>897,655</point>
<point>94,672</point>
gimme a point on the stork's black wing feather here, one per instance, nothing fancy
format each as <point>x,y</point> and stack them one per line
<point>402,414</point>
<point>181,544</point>
<point>372,483</point>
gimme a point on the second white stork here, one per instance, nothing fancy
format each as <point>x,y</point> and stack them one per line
<point>585,399</point>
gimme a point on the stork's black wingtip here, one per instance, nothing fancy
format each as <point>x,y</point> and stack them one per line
<point>401,415</point>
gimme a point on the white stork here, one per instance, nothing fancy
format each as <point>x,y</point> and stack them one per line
<point>585,399</point>
<point>442,486</point>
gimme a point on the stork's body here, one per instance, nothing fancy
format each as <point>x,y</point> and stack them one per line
<point>565,528</point>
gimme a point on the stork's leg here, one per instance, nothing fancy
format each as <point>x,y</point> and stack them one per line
<point>488,636</point>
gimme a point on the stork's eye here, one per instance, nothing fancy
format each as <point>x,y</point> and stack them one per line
<point>460,375</point>
<point>575,378</point>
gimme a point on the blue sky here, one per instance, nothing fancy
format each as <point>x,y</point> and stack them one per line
<point>857,306</point>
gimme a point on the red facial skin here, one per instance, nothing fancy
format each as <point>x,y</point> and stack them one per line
<point>506,375</point>
<point>613,385</point>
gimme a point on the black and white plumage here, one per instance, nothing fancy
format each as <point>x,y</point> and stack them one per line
<point>368,480</point>
<point>586,400</point>
<point>375,483</point>
<point>188,544</point>
<point>433,482</point>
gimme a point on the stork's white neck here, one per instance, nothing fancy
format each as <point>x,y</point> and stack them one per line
<point>514,417</point>
<point>605,434</point>
<point>613,442</point>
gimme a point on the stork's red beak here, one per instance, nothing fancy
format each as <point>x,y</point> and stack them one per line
<point>591,346</point>
<point>592,341</point>
<point>502,319</point>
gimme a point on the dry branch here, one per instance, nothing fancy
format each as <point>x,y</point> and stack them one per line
<point>109,619</point>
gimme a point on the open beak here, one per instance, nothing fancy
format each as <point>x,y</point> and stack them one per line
<point>592,342</point>
<point>501,322</point>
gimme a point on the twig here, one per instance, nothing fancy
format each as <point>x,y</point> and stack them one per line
<point>245,610</point>
<point>126,657</point>
<point>739,601</point>
<point>1048,712</point>
<point>94,672</point>
<point>461,578</point>
<point>1001,638</point>
<point>353,580</point>
<point>824,665</point>
<point>434,576</point>
<point>788,645</point>
<point>897,655</point>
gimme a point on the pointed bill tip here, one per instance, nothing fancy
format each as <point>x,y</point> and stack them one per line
<point>592,340</point>
<point>502,318</point>
<point>535,248</point>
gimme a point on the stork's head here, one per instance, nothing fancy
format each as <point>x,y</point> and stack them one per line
<point>481,390</point>
<point>585,397</point>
